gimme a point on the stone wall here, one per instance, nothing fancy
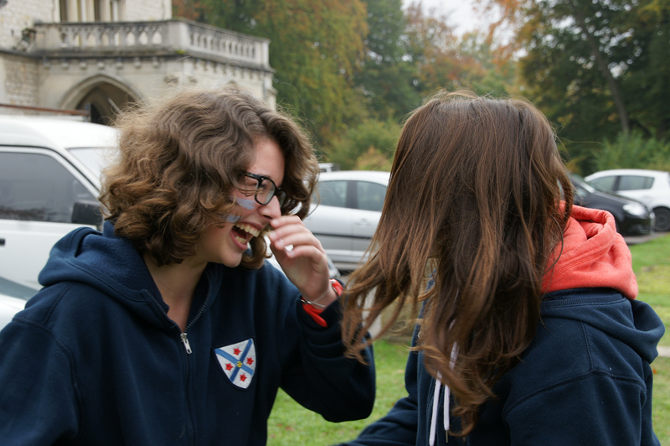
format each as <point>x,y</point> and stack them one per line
<point>18,80</point>
<point>18,15</point>
<point>146,10</point>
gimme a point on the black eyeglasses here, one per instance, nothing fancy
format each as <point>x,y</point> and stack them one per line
<point>266,189</point>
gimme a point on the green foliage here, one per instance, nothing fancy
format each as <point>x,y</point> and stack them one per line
<point>341,66</point>
<point>387,78</point>
<point>369,145</point>
<point>316,49</point>
<point>596,68</point>
<point>633,150</point>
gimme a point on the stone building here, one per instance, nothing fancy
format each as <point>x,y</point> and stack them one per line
<point>100,55</point>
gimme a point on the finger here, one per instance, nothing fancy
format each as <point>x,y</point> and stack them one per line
<point>284,220</point>
<point>292,240</point>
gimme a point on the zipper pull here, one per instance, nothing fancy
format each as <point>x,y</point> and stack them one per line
<point>184,340</point>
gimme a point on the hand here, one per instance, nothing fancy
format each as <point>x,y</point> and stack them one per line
<point>302,258</point>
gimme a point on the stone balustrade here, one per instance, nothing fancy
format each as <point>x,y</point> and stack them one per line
<point>151,37</point>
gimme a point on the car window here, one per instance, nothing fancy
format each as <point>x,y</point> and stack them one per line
<point>370,196</point>
<point>37,187</point>
<point>604,183</point>
<point>332,193</point>
<point>635,182</point>
<point>94,158</point>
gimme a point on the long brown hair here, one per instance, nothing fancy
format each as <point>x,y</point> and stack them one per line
<point>180,159</point>
<point>474,197</point>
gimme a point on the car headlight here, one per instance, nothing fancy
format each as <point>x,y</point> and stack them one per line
<point>636,209</point>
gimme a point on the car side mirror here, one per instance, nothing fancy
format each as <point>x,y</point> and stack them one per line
<point>87,212</point>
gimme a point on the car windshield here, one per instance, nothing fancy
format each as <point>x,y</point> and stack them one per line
<point>94,158</point>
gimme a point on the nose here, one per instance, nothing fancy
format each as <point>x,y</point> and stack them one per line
<point>272,209</point>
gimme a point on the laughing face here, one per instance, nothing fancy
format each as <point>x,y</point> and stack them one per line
<point>227,243</point>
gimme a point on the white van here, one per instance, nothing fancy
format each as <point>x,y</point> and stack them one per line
<point>49,183</point>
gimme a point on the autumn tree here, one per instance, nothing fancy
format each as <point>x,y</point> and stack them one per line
<point>595,67</point>
<point>388,78</point>
<point>316,49</point>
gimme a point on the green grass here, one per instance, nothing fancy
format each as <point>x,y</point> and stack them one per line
<point>290,424</point>
<point>661,399</point>
<point>651,262</point>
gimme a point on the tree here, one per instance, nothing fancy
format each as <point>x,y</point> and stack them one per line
<point>316,49</point>
<point>586,61</point>
<point>387,78</point>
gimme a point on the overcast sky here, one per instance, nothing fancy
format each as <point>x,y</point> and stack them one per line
<point>460,13</point>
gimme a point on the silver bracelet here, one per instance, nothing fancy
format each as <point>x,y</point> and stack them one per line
<point>334,284</point>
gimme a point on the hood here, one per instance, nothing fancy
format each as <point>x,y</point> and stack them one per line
<point>111,265</point>
<point>592,260</point>
<point>593,255</point>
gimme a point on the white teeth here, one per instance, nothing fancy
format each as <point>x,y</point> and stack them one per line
<point>240,240</point>
<point>249,229</point>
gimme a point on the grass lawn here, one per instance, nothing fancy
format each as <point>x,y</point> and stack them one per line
<point>651,262</point>
<point>290,424</point>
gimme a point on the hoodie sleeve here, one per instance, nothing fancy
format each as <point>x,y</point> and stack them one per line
<point>38,402</point>
<point>399,426</point>
<point>324,380</point>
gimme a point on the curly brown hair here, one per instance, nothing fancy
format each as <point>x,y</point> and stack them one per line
<point>180,159</point>
<point>475,196</point>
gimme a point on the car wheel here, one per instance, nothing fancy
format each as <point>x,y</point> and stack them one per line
<point>662,219</point>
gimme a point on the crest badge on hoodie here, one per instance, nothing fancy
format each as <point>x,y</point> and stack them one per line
<point>238,362</point>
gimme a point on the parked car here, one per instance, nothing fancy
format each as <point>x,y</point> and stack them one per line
<point>631,216</point>
<point>328,167</point>
<point>49,182</point>
<point>346,210</point>
<point>13,297</point>
<point>651,187</point>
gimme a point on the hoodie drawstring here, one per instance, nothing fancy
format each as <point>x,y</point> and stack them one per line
<point>436,403</point>
<point>433,418</point>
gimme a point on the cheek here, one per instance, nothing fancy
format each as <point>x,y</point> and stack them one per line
<point>244,203</point>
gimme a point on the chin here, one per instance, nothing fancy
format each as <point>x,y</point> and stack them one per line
<point>231,262</point>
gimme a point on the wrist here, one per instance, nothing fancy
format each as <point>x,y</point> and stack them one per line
<point>331,294</point>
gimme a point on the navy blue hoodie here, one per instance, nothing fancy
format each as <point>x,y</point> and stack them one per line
<point>584,380</point>
<point>94,359</point>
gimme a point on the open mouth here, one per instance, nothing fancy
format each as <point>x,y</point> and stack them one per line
<point>243,232</point>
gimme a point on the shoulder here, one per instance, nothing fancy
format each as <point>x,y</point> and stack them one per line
<point>63,306</point>
<point>582,335</point>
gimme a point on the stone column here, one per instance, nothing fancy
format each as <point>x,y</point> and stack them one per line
<point>72,11</point>
<point>105,11</point>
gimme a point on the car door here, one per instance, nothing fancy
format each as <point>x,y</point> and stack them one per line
<point>637,187</point>
<point>331,220</point>
<point>38,189</point>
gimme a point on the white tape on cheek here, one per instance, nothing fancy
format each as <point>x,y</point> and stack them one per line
<point>246,203</point>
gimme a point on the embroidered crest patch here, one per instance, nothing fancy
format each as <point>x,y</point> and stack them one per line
<point>238,362</point>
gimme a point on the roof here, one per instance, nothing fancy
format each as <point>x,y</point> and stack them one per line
<point>58,133</point>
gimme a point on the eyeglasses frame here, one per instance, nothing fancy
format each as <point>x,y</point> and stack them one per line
<point>278,192</point>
